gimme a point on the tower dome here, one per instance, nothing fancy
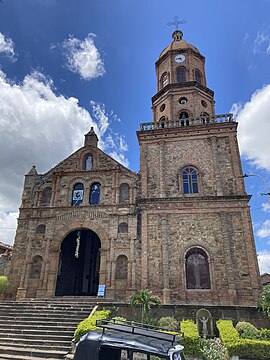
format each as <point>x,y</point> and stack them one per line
<point>178,44</point>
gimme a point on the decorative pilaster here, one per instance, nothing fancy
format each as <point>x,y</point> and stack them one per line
<point>144,257</point>
<point>165,259</point>
<point>217,174</point>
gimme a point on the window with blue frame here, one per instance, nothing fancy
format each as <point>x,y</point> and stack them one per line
<point>94,196</point>
<point>190,180</point>
<point>77,194</point>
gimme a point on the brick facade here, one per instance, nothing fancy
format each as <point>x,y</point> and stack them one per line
<point>147,224</point>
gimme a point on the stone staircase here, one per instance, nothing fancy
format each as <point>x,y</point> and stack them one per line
<point>40,329</point>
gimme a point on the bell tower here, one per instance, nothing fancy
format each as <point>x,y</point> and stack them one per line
<point>182,91</point>
<point>197,245</point>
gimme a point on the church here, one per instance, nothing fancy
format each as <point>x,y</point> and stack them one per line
<point>181,227</point>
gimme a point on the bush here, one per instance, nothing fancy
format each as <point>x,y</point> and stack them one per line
<point>191,337</point>
<point>264,301</point>
<point>264,334</point>
<point>3,283</point>
<point>119,320</point>
<point>212,349</point>
<point>89,324</point>
<point>246,330</point>
<point>244,348</point>
<point>169,323</point>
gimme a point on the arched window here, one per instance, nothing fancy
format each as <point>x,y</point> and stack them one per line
<point>205,117</point>
<point>94,196</point>
<point>41,229</point>
<point>184,118</point>
<point>181,74</point>
<point>123,228</point>
<point>197,269</point>
<point>190,180</point>
<point>198,76</point>
<point>77,194</point>
<point>88,162</point>
<point>164,79</point>
<point>123,193</point>
<point>121,267</point>
<point>36,267</point>
<point>46,196</point>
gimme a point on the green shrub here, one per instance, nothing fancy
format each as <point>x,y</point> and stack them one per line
<point>246,330</point>
<point>264,334</point>
<point>119,320</point>
<point>213,349</point>
<point>244,348</point>
<point>3,283</point>
<point>264,301</point>
<point>169,323</point>
<point>89,324</point>
<point>191,337</point>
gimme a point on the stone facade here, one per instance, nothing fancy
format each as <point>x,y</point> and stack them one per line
<point>5,256</point>
<point>181,227</point>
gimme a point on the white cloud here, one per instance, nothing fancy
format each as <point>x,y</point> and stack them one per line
<point>262,41</point>
<point>100,114</point>
<point>83,57</point>
<point>7,47</point>
<point>120,157</point>
<point>114,144</point>
<point>38,126</point>
<point>245,38</point>
<point>253,130</point>
<point>266,207</point>
<point>264,231</point>
<point>264,261</point>
<point>8,223</point>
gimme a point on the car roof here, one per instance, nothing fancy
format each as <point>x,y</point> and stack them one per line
<point>132,336</point>
<point>128,341</point>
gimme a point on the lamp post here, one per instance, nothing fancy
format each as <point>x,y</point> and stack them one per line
<point>265,184</point>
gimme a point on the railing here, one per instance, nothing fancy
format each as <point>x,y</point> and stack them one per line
<point>203,120</point>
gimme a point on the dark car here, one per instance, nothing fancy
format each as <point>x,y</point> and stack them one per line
<point>129,340</point>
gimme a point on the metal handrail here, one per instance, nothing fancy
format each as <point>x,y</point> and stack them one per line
<point>132,327</point>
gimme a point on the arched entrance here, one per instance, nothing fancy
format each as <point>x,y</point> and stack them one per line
<point>78,269</point>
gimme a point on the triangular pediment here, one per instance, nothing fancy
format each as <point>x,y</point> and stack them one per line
<point>101,162</point>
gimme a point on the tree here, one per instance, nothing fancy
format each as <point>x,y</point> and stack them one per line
<point>264,301</point>
<point>144,299</point>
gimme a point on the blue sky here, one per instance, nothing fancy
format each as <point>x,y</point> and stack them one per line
<point>67,65</point>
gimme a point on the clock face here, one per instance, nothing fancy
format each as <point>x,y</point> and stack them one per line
<point>179,58</point>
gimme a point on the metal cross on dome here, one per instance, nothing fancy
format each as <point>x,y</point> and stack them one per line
<point>176,22</point>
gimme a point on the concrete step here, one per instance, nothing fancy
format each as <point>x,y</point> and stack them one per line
<point>45,308</point>
<point>49,322</point>
<point>9,350</point>
<point>19,357</point>
<point>39,329</point>
<point>24,327</point>
<point>45,317</point>
<point>37,341</point>
<point>46,347</point>
<point>36,335</point>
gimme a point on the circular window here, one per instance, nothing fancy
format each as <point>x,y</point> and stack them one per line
<point>162,107</point>
<point>183,100</point>
<point>204,103</point>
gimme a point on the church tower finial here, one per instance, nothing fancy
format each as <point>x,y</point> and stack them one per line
<point>177,35</point>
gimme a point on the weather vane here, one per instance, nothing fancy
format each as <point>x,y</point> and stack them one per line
<point>176,22</point>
